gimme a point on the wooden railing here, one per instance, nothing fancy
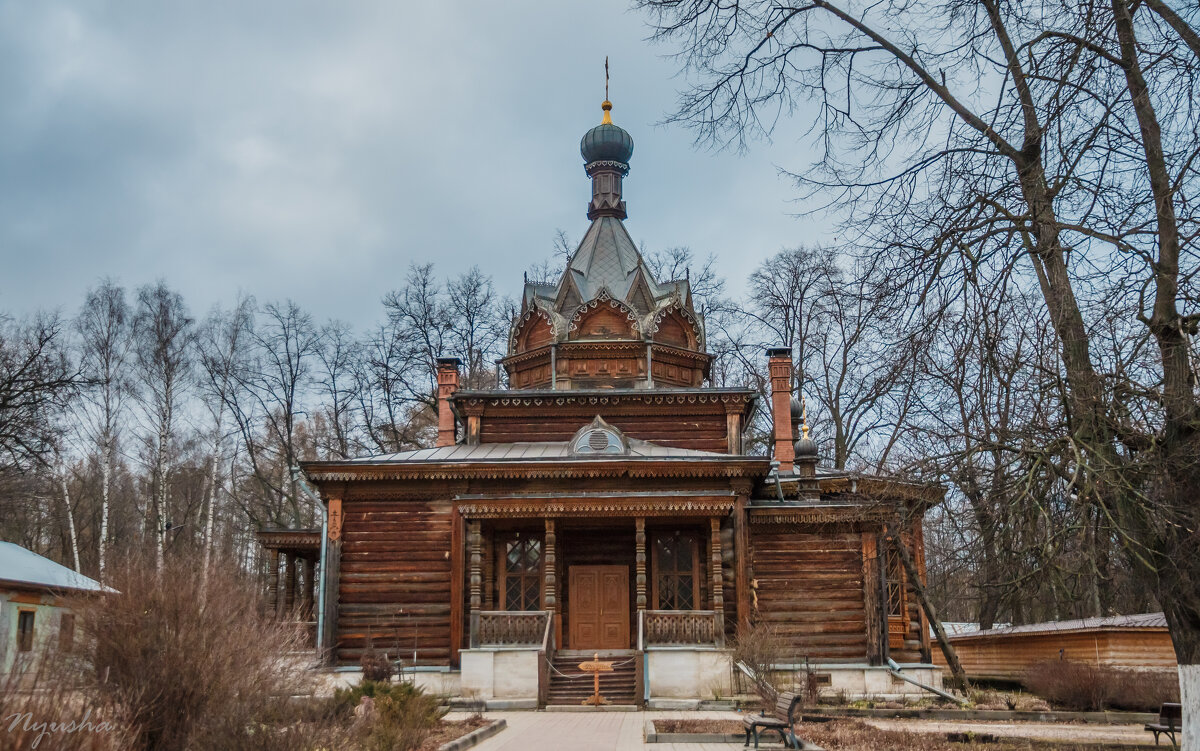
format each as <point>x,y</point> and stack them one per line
<point>512,628</point>
<point>681,628</point>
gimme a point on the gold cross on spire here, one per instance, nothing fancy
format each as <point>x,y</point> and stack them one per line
<point>804,416</point>
<point>607,106</point>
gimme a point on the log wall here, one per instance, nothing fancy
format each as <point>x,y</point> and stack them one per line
<point>395,580</point>
<point>1008,656</point>
<point>810,588</point>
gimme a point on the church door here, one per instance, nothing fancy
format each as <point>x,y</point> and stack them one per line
<point>599,607</point>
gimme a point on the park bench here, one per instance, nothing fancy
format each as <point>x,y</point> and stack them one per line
<point>780,719</point>
<point>1170,720</point>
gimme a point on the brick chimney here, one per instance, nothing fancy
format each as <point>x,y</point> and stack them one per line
<point>779,367</point>
<point>447,379</point>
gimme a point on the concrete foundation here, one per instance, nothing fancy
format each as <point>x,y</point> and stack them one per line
<point>688,673</point>
<point>510,674</point>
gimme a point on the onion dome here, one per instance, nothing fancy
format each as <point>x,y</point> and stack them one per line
<point>606,142</point>
<point>805,447</point>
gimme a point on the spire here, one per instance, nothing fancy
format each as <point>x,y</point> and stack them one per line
<point>607,105</point>
<point>606,149</point>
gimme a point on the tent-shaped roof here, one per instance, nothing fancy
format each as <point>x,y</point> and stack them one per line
<point>30,570</point>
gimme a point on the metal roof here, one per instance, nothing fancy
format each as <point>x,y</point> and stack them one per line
<point>25,567</point>
<point>1143,620</point>
<point>535,451</point>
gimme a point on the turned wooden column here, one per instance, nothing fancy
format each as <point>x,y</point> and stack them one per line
<point>273,582</point>
<point>640,560</point>
<point>475,580</point>
<point>549,577</point>
<point>718,580</point>
<point>289,595</point>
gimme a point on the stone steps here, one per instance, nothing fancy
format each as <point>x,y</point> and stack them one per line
<point>619,686</point>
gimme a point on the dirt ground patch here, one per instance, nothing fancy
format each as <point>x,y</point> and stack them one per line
<point>447,731</point>
<point>1083,735</point>
<point>922,735</point>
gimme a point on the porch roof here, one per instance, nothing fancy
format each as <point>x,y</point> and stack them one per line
<point>536,451</point>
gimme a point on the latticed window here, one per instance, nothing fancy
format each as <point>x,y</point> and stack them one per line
<point>675,576</point>
<point>895,582</point>
<point>521,583</point>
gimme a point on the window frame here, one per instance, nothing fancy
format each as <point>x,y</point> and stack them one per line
<point>26,636</point>
<point>503,575</point>
<point>656,570</point>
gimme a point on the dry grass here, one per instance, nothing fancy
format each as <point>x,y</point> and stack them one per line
<point>194,668</point>
<point>1080,686</point>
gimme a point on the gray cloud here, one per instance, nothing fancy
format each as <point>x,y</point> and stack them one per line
<point>314,150</point>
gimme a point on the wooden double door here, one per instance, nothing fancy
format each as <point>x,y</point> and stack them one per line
<point>598,605</point>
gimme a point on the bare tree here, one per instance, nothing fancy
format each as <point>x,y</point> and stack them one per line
<point>36,379</point>
<point>163,333</point>
<point>105,326</point>
<point>1031,144</point>
<point>222,344</point>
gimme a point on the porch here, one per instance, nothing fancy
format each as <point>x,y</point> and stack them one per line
<point>648,594</point>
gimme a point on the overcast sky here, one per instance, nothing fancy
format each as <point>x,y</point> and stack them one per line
<point>314,151</point>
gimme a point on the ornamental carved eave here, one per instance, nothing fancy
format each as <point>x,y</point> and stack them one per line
<point>642,402</point>
<point>884,488</point>
<point>831,514</point>
<point>323,472</point>
<point>306,539</point>
<point>594,507</point>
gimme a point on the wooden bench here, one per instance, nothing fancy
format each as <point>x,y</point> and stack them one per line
<point>779,720</point>
<point>1170,720</point>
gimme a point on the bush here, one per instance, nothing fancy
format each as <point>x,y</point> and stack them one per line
<point>401,718</point>
<point>760,649</point>
<point>1085,687</point>
<point>376,666</point>
<point>192,667</point>
<point>49,706</point>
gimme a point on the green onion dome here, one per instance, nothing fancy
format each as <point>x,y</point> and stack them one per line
<point>606,142</point>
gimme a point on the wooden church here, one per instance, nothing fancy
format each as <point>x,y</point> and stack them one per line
<point>604,503</point>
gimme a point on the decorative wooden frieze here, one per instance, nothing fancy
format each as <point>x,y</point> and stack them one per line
<point>335,519</point>
<point>822,515</point>
<point>584,469</point>
<point>652,507</point>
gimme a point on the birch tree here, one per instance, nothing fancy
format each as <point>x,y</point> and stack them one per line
<point>104,325</point>
<point>163,334</point>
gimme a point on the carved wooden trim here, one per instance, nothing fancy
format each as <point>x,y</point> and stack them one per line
<point>474,544</point>
<point>654,507</point>
<point>718,586</point>
<point>336,517</point>
<point>548,469</point>
<point>821,515</point>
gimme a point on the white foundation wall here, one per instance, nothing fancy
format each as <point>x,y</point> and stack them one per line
<point>688,673</point>
<point>870,682</point>
<point>498,674</point>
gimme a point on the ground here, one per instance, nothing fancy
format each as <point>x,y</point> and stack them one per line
<point>623,731</point>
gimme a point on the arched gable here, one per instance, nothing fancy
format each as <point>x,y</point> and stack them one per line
<point>604,318</point>
<point>533,329</point>
<point>674,324</point>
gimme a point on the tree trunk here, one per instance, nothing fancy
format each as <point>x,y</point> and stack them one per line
<point>70,519</point>
<point>210,505</point>
<point>105,483</point>
<point>914,578</point>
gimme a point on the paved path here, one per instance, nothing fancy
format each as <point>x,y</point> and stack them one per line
<point>594,731</point>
